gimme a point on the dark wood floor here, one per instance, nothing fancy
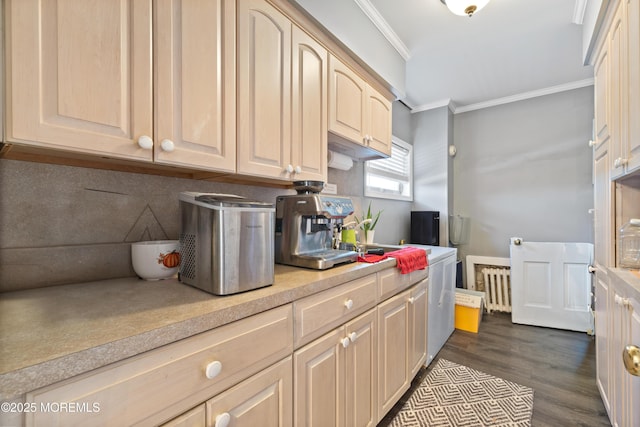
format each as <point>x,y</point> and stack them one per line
<point>559,365</point>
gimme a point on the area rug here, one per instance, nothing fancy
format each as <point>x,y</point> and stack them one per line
<point>454,395</point>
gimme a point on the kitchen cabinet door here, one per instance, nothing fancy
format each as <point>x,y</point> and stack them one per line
<point>264,90</point>
<point>80,75</point>
<point>193,418</point>
<point>262,400</point>
<point>603,336</point>
<point>417,327</point>
<point>347,102</point>
<point>378,123</point>
<point>603,214</point>
<point>319,381</point>
<point>625,330</point>
<point>335,376</point>
<point>393,350</point>
<point>309,107</point>
<point>195,84</point>
<point>358,113</point>
<point>633,49</point>
<point>634,381</point>
<point>618,92</point>
<point>601,95</point>
<point>361,371</point>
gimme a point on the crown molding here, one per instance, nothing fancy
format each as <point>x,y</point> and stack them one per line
<point>525,95</point>
<point>436,104</point>
<point>382,25</point>
<point>500,101</point>
<point>578,11</point>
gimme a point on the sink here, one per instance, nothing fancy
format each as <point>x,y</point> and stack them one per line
<point>385,248</point>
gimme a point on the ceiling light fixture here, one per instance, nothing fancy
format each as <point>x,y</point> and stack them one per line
<point>465,7</point>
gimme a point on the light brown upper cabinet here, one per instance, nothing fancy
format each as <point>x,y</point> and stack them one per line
<point>195,97</point>
<point>357,112</point>
<point>617,89</point>
<point>79,75</point>
<point>633,27</point>
<point>264,89</point>
<point>309,108</point>
<point>82,77</point>
<point>279,67</point>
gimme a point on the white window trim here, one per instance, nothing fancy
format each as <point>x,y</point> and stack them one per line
<point>368,192</point>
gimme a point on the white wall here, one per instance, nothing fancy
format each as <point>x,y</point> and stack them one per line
<point>346,21</point>
<point>524,169</point>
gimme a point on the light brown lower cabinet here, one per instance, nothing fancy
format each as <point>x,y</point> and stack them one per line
<point>262,400</point>
<point>158,385</point>
<point>196,417</point>
<point>402,323</point>
<point>355,357</point>
<point>334,377</point>
<point>418,305</point>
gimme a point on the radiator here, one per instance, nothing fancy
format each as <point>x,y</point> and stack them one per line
<point>497,289</point>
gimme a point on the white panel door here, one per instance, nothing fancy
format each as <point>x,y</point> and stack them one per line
<point>551,284</point>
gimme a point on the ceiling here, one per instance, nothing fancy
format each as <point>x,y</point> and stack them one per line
<point>511,49</point>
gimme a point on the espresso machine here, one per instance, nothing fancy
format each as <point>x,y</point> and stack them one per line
<point>305,226</point>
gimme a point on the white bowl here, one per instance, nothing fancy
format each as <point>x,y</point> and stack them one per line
<point>155,260</point>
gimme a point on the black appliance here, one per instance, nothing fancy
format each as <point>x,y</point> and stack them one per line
<point>425,228</point>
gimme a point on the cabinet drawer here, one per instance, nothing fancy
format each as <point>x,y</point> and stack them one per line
<point>317,314</point>
<point>265,399</point>
<point>391,281</point>
<point>156,386</point>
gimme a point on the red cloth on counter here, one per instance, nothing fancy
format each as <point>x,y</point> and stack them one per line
<point>407,259</point>
<point>372,258</point>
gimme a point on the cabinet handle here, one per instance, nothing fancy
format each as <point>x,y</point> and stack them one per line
<point>623,302</point>
<point>289,168</point>
<point>631,359</point>
<point>145,142</point>
<point>213,369</point>
<point>167,145</point>
<point>592,143</point>
<point>298,169</point>
<point>349,304</point>
<point>619,162</point>
<point>345,342</point>
<point>591,269</point>
<point>411,300</point>
<point>353,336</point>
<point>223,420</point>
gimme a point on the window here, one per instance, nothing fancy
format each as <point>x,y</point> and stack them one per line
<point>391,178</point>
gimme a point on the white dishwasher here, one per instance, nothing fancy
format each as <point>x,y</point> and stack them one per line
<point>441,298</point>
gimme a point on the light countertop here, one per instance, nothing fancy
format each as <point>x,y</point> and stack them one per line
<point>51,334</point>
<point>630,281</point>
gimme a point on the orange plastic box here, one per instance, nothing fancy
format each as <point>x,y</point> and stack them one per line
<point>469,308</point>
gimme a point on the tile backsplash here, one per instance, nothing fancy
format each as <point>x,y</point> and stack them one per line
<point>63,224</point>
